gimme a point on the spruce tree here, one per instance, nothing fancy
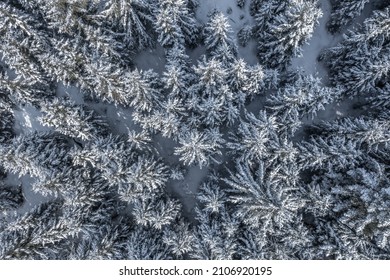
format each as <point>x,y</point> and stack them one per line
<point>343,12</point>
<point>35,154</point>
<point>282,27</point>
<point>72,120</point>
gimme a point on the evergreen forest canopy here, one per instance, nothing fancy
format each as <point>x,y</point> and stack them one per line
<point>281,182</point>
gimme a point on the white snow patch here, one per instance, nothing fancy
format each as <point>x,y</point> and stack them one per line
<point>26,120</point>
<point>31,198</point>
<point>151,59</point>
<point>196,53</point>
<point>72,92</point>
<point>119,119</point>
<point>187,189</point>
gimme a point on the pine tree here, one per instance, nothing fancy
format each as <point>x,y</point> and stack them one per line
<point>72,120</point>
<point>245,35</point>
<point>146,244</point>
<point>104,80</point>
<point>178,74</point>
<point>332,153</point>
<point>142,90</point>
<point>81,18</point>
<point>305,97</point>
<point>360,63</point>
<point>215,236</point>
<point>145,175</point>
<point>262,201</point>
<point>212,198</point>
<point>37,234</point>
<point>361,203</point>
<point>290,243</point>
<point>261,79</point>
<point>122,166</point>
<point>252,140</point>
<point>217,35</point>
<point>20,91</point>
<point>133,19</point>
<point>348,223</point>
<point>198,148</point>
<point>343,12</point>
<point>22,41</point>
<point>214,98</point>
<point>282,28</point>
<point>370,133</point>
<point>156,211</point>
<point>179,238</point>
<point>381,99</point>
<point>35,154</point>
<point>175,23</point>
<point>104,153</point>
<point>109,242</point>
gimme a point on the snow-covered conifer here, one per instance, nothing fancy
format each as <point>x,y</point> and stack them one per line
<point>198,148</point>
<point>361,203</point>
<point>212,197</point>
<point>260,79</point>
<point>155,211</point>
<point>179,238</point>
<point>147,244</point>
<point>145,175</point>
<point>35,154</point>
<point>178,74</point>
<point>361,62</point>
<point>140,141</point>
<point>262,201</point>
<point>343,11</point>
<point>175,23</point>
<point>21,42</point>
<point>21,91</point>
<point>381,99</point>
<point>372,133</point>
<point>251,142</point>
<point>72,120</point>
<point>141,90</point>
<point>282,28</point>
<point>215,236</point>
<point>306,96</point>
<point>103,150</point>
<point>36,234</point>
<point>245,35</point>
<point>217,34</point>
<point>108,242</point>
<point>332,153</point>
<point>132,18</point>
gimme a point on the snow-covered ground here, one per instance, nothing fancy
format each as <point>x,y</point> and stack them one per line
<point>72,92</point>
<point>151,59</point>
<point>26,120</point>
<point>31,198</point>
